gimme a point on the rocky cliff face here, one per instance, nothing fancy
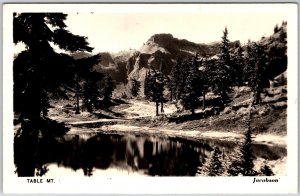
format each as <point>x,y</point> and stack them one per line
<point>163,48</point>
<point>126,65</point>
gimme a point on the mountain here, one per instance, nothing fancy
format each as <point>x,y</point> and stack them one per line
<point>126,65</point>
<point>114,65</point>
<point>164,48</point>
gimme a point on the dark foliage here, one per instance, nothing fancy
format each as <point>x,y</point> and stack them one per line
<point>156,87</point>
<point>107,87</point>
<point>135,88</point>
<point>256,61</point>
<point>38,71</point>
<point>266,171</point>
<point>192,86</point>
<point>213,165</point>
<point>241,161</point>
<point>147,85</point>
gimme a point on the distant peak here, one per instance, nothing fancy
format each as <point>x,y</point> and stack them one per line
<point>161,37</point>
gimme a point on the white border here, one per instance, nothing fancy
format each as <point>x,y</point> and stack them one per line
<point>287,184</point>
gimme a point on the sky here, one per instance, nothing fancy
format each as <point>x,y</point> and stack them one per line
<point>119,31</point>
<point>114,28</point>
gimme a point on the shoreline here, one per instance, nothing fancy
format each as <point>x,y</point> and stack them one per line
<point>262,138</point>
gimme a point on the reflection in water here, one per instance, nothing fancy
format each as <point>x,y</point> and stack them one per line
<point>154,156</point>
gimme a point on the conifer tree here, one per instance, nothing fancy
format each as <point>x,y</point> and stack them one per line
<point>192,87</point>
<point>247,155</point>
<point>256,69</point>
<point>276,29</point>
<point>266,171</point>
<point>238,65</point>
<point>221,71</point>
<point>156,88</point>
<point>147,85</point>
<point>225,49</point>
<point>136,85</point>
<point>204,80</point>
<point>241,160</point>
<point>175,79</point>
<point>91,90</point>
<point>39,68</point>
<point>213,165</point>
<point>107,89</point>
<point>163,80</point>
<point>38,71</point>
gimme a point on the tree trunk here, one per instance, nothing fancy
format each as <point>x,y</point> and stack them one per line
<point>157,108</point>
<point>171,98</point>
<point>193,111</point>
<point>257,97</point>
<point>203,102</point>
<point>162,107</point>
<point>77,103</point>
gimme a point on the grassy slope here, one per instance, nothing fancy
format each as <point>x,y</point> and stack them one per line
<point>268,118</point>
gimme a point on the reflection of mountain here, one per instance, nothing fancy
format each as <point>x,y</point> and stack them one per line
<point>151,155</point>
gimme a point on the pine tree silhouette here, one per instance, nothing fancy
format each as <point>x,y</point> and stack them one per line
<point>213,166</point>
<point>256,69</point>
<point>38,71</point>
<point>136,85</point>
<point>192,87</point>
<point>266,171</point>
<point>106,91</point>
<point>156,88</point>
<point>241,160</point>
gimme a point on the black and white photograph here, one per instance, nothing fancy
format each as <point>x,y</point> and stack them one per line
<point>150,92</point>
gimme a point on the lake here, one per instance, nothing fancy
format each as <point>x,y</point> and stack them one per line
<point>99,154</point>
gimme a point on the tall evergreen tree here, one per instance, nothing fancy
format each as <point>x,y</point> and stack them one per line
<point>163,79</point>
<point>241,161</point>
<point>238,64</point>
<point>266,171</point>
<point>221,70</point>
<point>84,67</point>
<point>147,85</point>
<point>135,88</point>
<point>213,165</point>
<point>39,70</point>
<point>256,62</point>
<point>247,154</point>
<point>225,49</point>
<point>107,89</point>
<point>175,79</point>
<point>92,90</point>
<point>156,88</point>
<point>204,79</point>
<point>192,87</point>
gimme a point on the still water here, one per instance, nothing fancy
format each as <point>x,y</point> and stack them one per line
<point>114,154</point>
